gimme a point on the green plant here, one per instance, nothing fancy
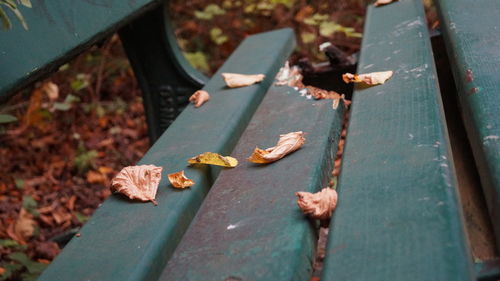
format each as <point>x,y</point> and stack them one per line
<point>12,6</point>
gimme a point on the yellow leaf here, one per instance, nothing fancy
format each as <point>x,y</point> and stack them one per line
<point>234,80</point>
<point>179,180</point>
<point>287,144</point>
<point>138,182</point>
<point>373,78</point>
<point>212,158</point>
<point>319,205</point>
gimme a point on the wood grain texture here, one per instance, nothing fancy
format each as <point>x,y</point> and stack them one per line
<point>398,216</point>
<point>127,240</point>
<point>472,36</point>
<point>249,226</point>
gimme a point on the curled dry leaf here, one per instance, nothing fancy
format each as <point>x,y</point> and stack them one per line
<point>318,205</point>
<point>373,78</point>
<point>234,80</point>
<point>179,180</point>
<point>290,76</point>
<point>212,158</point>
<point>23,228</point>
<point>138,182</point>
<point>383,2</point>
<point>287,144</point>
<point>318,93</point>
<point>199,98</point>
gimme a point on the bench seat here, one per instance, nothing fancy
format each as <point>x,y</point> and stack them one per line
<point>249,226</point>
<point>127,240</point>
<point>398,216</point>
<point>473,42</point>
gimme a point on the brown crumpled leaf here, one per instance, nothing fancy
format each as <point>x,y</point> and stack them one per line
<point>287,144</point>
<point>373,78</point>
<point>318,205</point>
<point>318,93</point>
<point>23,228</point>
<point>179,180</point>
<point>234,80</point>
<point>213,158</point>
<point>138,182</point>
<point>383,2</point>
<point>199,98</point>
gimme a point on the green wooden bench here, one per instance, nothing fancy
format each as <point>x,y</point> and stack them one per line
<point>399,214</point>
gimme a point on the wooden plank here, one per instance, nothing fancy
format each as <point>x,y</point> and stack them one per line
<point>249,226</point>
<point>472,39</point>
<point>58,30</point>
<point>132,241</point>
<point>398,216</point>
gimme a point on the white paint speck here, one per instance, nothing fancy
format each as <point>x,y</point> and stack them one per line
<point>491,138</point>
<point>387,58</point>
<point>368,66</point>
<point>232,226</point>
<point>410,136</point>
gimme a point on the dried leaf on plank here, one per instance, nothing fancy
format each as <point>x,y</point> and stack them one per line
<point>373,78</point>
<point>287,144</point>
<point>212,158</point>
<point>138,182</point>
<point>318,205</point>
<point>179,180</point>
<point>383,2</point>
<point>234,80</point>
<point>199,98</point>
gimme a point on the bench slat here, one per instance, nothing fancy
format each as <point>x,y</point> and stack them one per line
<point>472,37</point>
<point>249,226</point>
<point>398,216</point>
<point>125,240</point>
<point>58,30</point>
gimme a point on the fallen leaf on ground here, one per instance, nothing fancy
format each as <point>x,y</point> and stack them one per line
<point>51,90</point>
<point>23,228</point>
<point>318,205</point>
<point>179,180</point>
<point>212,158</point>
<point>234,80</point>
<point>373,78</point>
<point>287,144</point>
<point>138,182</point>
<point>383,2</point>
<point>95,177</point>
<point>199,98</point>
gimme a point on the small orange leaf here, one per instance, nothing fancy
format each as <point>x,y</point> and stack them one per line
<point>199,98</point>
<point>138,182</point>
<point>287,144</point>
<point>318,205</point>
<point>95,177</point>
<point>179,180</point>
